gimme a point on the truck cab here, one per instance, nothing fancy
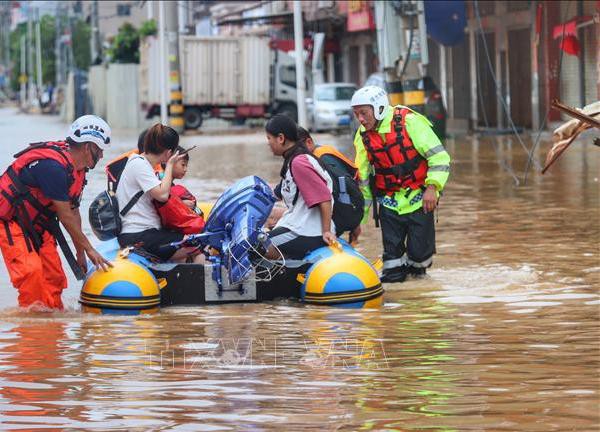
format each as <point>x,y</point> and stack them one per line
<point>284,84</point>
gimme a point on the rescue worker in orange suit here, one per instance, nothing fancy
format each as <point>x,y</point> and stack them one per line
<point>403,168</point>
<point>41,188</point>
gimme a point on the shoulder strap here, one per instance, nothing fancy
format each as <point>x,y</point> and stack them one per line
<point>55,230</point>
<point>131,203</point>
<point>30,147</point>
<point>47,146</point>
<point>310,155</point>
<point>295,200</point>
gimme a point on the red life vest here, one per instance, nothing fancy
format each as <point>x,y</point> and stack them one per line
<point>182,192</point>
<point>176,216</point>
<point>396,162</point>
<point>28,205</point>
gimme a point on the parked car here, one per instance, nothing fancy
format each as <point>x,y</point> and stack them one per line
<point>329,108</point>
<point>434,105</point>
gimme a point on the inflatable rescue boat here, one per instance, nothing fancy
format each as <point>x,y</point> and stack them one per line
<point>236,269</point>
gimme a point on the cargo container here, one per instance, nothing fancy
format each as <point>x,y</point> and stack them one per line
<point>226,77</point>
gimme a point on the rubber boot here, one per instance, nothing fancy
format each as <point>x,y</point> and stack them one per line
<point>417,272</point>
<point>396,274</point>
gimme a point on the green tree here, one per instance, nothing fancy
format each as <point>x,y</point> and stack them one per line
<point>15,54</point>
<point>80,39</point>
<point>48,34</point>
<point>125,46</point>
<point>148,28</point>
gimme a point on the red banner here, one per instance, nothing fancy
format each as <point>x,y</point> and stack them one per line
<point>360,16</point>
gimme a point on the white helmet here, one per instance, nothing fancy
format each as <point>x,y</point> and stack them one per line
<point>90,128</point>
<point>374,96</point>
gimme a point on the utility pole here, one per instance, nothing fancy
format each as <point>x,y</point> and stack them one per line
<point>29,56</point>
<point>318,77</point>
<point>149,9</point>
<point>70,55</point>
<point>422,37</point>
<point>57,47</point>
<point>7,39</point>
<point>38,52</point>
<point>402,50</point>
<point>581,57</point>
<point>95,36</point>
<point>22,74</point>
<point>161,53</point>
<point>182,11</point>
<point>5,26</point>
<point>300,75</point>
<point>176,120</point>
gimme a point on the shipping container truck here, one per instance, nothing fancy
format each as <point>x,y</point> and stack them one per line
<point>229,77</point>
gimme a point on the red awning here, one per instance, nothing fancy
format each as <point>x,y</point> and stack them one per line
<point>569,28</point>
<point>567,32</point>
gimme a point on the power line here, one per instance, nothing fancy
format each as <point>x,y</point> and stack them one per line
<point>543,125</point>
<point>498,91</point>
<point>502,161</point>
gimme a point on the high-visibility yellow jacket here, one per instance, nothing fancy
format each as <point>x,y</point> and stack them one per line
<point>425,142</point>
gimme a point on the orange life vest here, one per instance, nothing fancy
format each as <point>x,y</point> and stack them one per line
<point>325,151</point>
<point>396,162</point>
<point>115,168</point>
<point>28,205</point>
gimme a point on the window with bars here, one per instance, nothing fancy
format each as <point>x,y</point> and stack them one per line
<point>123,10</point>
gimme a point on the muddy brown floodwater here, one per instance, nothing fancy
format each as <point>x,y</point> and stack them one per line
<point>502,335</point>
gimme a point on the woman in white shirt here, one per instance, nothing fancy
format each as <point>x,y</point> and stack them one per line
<point>141,224</point>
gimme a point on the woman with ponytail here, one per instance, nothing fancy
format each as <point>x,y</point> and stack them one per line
<point>305,188</point>
<point>139,187</point>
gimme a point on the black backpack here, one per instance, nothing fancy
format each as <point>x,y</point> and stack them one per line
<point>104,214</point>
<point>348,200</point>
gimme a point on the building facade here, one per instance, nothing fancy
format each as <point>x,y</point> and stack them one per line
<point>511,60</point>
<point>113,14</point>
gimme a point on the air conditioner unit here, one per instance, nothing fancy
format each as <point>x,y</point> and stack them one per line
<point>324,4</point>
<point>278,7</point>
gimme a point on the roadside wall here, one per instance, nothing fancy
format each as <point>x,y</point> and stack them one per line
<point>97,89</point>
<point>122,106</point>
<point>67,111</point>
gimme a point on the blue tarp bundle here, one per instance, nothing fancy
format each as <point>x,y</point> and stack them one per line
<point>446,21</point>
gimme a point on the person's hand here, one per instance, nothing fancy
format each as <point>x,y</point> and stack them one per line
<point>429,199</point>
<point>98,260</point>
<point>81,260</point>
<point>175,158</point>
<point>329,238</point>
<point>190,203</point>
<point>354,234</point>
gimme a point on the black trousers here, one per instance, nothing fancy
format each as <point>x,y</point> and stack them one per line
<point>153,241</point>
<point>294,246</point>
<point>408,239</point>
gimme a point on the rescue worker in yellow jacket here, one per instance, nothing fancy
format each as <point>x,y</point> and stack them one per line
<point>403,168</point>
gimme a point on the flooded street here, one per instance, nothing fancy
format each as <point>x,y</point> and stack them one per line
<point>502,335</point>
